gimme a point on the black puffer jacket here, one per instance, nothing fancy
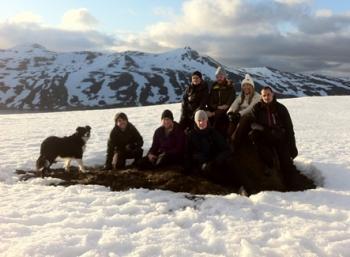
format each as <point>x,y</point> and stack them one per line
<point>275,118</point>
<point>195,98</point>
<point>205,146</point>
<point>119,139</point>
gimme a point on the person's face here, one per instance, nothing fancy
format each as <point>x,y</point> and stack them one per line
<point>196,80</point>
<point>220,78</point>
<point>202,124</point>
<point>247,89</point>
<point>121,123</point>
<point>266,96</point>
<point>167,123</point>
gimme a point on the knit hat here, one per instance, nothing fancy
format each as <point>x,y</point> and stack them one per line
<point>200,115</point>
<point>220,70</point>
<point>248,80</point>
<point>167,114</point>
<point>197,73</point>
<point>120,115</point>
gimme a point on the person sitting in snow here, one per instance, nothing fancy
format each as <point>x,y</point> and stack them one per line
<point>243,104</point>
<point>271,130</point>
<point>206,148</point>
<point>125,142</point>
<point>221,96</point>
<point>167,146</point>
<point>195,98</point>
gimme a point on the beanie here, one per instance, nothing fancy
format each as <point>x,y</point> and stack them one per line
<point>200,115</point>
<point>248,80</point>
<point>120,115</point>
<point>219,71</point>
<point>167,114</point>
<point>197,73</point>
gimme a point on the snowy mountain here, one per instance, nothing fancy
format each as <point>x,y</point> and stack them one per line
<point>34,78</point>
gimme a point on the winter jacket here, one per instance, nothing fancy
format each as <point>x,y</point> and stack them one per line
<point>221,95</point>
<point>275,118</point>
<point>244,107</point>
<point>205,145</point>
<point>173,143</point>
<point>195,98</point>
<point>118,140</point>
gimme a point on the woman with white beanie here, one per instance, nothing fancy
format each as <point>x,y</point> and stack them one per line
<point>244,103</point>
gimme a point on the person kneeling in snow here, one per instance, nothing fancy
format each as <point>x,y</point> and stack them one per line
<point>167,146</point>
<point>206,148</point>
<point>125,142</point>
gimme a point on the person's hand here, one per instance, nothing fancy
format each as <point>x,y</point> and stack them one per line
<point>234,117</point>
<point>223,107</point>
<point>130,147</point>
<point>210,114</point>
<point>152,157</point>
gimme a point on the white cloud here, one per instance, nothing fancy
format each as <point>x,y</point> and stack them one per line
<point>75,33</point>
<point>78,19</point>
<point>25,18</point>
<point>293,2</point>
<point>280,34</point>
<point>324,13</point>
<point>237,32</point>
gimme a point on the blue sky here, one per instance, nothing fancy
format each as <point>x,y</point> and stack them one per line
<point>292,35</point>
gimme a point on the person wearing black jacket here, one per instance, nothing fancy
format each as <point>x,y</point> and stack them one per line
<point>125,142</point>
<point>272,128</point>
<point>221,96</point>
<point>195,98</point>
<point>206,148</point>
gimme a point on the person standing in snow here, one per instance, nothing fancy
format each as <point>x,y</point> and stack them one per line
<point>221,96</point>
<point>195,98</point>
<point>167,146</point>
<point>125,142</point>
<point>243,104</point>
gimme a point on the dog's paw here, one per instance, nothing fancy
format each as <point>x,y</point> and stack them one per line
<point>83,170</point>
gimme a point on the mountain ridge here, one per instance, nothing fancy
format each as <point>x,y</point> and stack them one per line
<point>34,78</point>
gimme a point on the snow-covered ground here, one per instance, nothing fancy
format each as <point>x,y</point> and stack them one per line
<point>41,220</point>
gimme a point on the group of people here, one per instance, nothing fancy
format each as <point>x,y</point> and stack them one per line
<point>214,123</point>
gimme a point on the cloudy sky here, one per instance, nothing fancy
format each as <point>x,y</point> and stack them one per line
<point>291,35</point>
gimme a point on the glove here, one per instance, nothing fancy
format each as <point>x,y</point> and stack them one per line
<point>130,147</point>
<point>234,117</point>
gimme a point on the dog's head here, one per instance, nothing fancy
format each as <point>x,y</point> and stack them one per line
<point>84,132</point>
<point>42,163</point>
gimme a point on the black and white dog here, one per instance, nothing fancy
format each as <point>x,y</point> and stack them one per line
<point>69,148</point>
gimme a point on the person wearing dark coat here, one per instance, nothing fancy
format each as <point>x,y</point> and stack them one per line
<point>221,96</point>
<point>167,146</point>
<point>125,142</point>
<point>206,148</point>
<point>195,98</point>
<point>273,134</point>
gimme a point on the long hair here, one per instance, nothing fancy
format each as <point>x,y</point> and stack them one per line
<point>249,99</point>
